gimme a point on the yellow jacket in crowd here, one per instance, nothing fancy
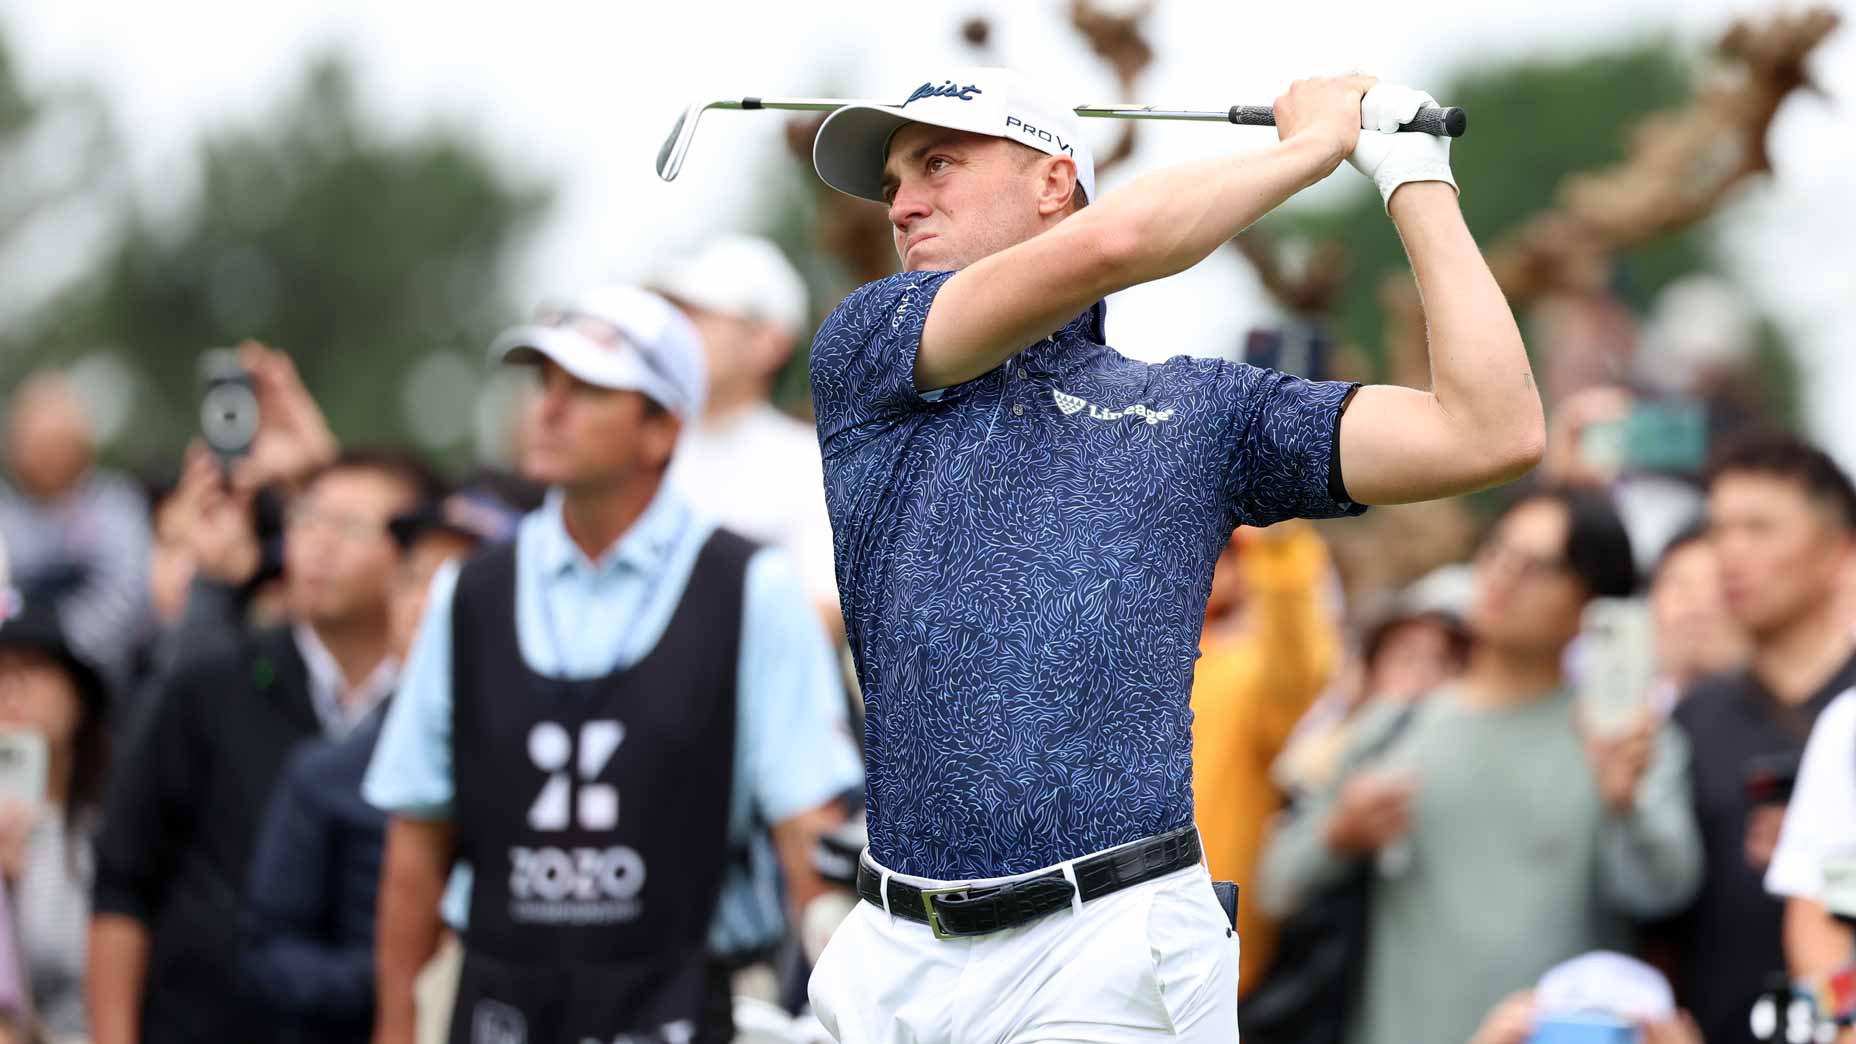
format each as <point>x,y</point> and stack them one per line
<point>1253,683</point>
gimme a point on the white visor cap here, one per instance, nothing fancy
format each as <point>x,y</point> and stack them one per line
<point>617,337</point>
<point>853,143</point>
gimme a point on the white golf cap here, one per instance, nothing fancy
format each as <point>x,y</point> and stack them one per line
<point>1605,983</point>
<point>745,277</point>
<point>853,143</point>
<point>617,337</point>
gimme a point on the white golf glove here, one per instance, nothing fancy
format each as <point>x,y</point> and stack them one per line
<point>1390,158</point>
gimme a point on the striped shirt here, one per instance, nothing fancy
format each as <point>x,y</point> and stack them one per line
<point>88,554</point>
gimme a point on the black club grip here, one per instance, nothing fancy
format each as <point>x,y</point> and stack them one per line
<point>1440,121</point>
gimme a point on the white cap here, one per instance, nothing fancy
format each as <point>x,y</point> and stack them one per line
<point>617,337</point>
<point>1605,983</point>
<point>853,143</point>
<point>745,277</point>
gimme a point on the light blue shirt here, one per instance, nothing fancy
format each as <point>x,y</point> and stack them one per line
<point>793,746</point>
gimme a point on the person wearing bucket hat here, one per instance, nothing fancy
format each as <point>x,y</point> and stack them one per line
<point>53,701</point>
<point>622,644</point>
<point>1027,521</point>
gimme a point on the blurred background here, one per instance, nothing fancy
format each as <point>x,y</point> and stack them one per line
<point>1664,189</point>
<point>376,187</point>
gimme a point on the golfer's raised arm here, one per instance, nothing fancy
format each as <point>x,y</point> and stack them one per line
<point>1155,226</point>
<point>1481,423</point>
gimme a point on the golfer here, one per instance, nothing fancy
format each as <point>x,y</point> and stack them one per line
<point>1025,524</point>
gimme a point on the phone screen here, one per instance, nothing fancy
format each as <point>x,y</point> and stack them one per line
<point>24,762</point>
<point>1617,662</point>
<point>1666,437</point>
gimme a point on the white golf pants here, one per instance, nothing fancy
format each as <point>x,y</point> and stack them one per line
<point>1154,962</point>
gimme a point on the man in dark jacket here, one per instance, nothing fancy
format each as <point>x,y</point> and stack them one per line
<point>183,813</point>
<point>315,875</point>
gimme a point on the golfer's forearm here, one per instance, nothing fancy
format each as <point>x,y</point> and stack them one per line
<point>1480,373</point>
<point>1164,223</point>
<point>116,978</point>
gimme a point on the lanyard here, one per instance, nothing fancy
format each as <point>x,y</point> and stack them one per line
<point>551,630</point>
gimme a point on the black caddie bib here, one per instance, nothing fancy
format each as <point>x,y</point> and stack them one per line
<point>596,815</point>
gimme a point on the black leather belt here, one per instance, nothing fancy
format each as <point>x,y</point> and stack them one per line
<point>957,912</point>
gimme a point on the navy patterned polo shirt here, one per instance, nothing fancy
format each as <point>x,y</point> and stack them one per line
<point>1024,561</point>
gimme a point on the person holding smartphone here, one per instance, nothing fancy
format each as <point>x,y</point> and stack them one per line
<point>51,768</point>
<point>1505,832</point>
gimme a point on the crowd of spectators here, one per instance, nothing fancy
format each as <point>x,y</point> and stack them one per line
<point>1602,772</point>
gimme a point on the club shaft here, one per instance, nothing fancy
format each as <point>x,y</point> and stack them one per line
<point>1435,122</point>
<point>1109,112</point>
<point>1447,122</point>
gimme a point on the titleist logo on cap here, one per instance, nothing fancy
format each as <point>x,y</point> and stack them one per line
<point>945,90</point>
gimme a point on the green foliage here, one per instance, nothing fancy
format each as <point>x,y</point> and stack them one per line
<point>1531,125</point>
<point>313,232</point>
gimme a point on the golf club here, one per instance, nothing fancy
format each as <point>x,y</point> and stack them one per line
<point>1449,122</point>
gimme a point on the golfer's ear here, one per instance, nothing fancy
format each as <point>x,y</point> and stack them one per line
<point>1059,186</point>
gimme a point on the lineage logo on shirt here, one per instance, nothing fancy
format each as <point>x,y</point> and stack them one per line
<point>1072,405</point>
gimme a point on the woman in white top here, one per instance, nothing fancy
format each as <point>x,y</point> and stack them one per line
<point>51,723</point>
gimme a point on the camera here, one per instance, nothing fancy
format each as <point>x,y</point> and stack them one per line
<point>228,405</point>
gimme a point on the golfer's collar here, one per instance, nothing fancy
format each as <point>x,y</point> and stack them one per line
<point>1093,323</point>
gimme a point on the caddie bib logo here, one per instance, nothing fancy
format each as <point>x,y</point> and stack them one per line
<point>578,884</point>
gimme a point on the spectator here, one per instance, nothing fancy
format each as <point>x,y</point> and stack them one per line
<point>218,556</point>
<point>1411,647</point>
<point>77,536</point>
<point>316,866</point>
<point>46,855</point>
<point>1819,835</point>
<point>1780,517</point>
<point>746,463</point>
<point>183,813</point>
<point>618,615</point>
<point>1696,635</point>
<point>1504,837</point>
<point>1270,644</point>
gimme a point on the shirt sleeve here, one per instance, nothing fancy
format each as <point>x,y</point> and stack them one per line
<point>863,360</point>
<point>796,750</point>
<point>1297,863</point>
<point>287,961</point>
<point>1821,819</point>
<point>1650,862</point>
<point>1279,435</point>
<point>108,612</point>
<point>410,774</point>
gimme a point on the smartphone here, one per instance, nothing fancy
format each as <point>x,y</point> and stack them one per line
<point>1583,1029</point>
<point>1617,662</point>
<point>1669,437</point>
<point>24,763</point>
<point>228,405</point>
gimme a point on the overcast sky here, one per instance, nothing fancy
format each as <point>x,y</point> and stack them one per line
<point>584,92</point>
